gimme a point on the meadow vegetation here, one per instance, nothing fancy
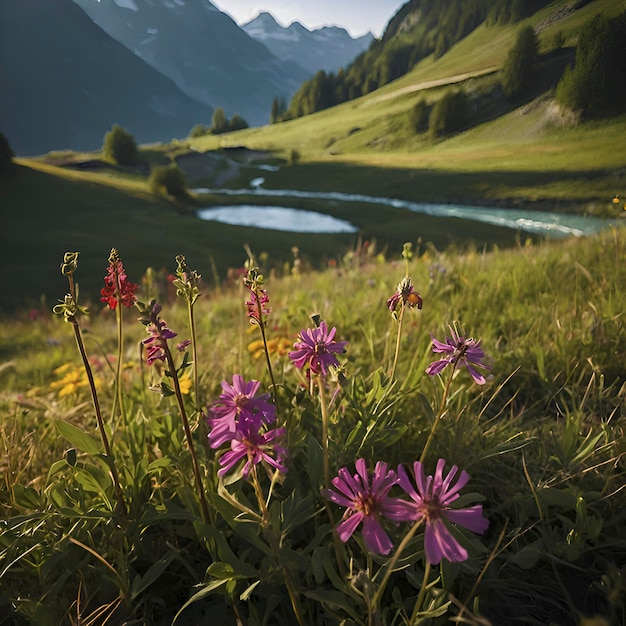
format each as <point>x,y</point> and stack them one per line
<point>244,433</point>
<point>542,440</point>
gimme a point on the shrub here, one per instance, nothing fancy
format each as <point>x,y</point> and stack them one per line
<point>418,116</point>
<point>199,130</point>
<point>119,146</point>
<point>294,157</point>
<point>237,123</point>
<point>597,80</point>
<point>219,122</point>
<point>6,154</point>
<point>168,180</point>
<point>450,114</point>
<point>519,63</point>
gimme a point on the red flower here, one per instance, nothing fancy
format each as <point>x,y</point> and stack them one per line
<point>117,287</point>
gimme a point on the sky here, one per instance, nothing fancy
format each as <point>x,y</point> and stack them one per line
<point>356,16</point>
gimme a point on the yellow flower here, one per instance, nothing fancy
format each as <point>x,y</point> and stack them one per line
<point>615,200</point>
<point>185,384</point>
<point>278,346</point>
<point>71,380</point>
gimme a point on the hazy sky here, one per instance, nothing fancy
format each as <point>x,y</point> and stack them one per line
<point>356,16</point>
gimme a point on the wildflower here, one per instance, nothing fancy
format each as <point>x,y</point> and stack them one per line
<point>185,384</point>
<point>117,287</point>
<point>159,334</point>
<point>183,345</point>
<point>405,292</point>
<point>367,503</point>
<point>459,350</point>
<point>250,443</point>
<point>278,346</point>
<point>261,299</point>
<point>317,348</point>
<point>431,502</point>
<point>70,381</point>
<point>237,401</point>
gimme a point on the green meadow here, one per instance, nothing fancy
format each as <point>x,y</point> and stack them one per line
<point>117,509</point>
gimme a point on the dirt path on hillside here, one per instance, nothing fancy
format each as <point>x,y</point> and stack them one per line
<point>439,82</point>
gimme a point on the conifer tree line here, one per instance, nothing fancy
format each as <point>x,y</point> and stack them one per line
<point>420,28</point>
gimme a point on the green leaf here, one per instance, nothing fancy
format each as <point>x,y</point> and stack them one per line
<point>77,437</point>
<point>141,583</point>
<point>26,497</point>
<point>205,591</point>
<point>334,599</point>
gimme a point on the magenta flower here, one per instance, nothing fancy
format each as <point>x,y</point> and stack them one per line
<point>459,351</point>
<point>406,293</point>
<point>253,305</point>
<point>367,503</point>
<point>431,502</point>
<point>236,401</point>
<point>250,443</point>
<point>159,334</point>
<point>317,348</point>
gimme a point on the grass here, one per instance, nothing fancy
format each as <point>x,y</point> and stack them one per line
<point>542,441</point>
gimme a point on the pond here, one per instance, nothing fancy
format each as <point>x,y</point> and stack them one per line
<point>538,222</point>
<point>277,218</point>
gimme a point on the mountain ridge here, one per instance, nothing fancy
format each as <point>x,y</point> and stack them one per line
<point>67,86</point>
<point>203,51</point>
<point>327,48</point>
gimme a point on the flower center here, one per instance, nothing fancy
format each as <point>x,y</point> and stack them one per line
<point>366,504</point>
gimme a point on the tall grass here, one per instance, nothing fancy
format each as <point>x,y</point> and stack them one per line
<point>543,442</point>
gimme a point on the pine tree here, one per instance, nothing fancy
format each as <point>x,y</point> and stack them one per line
<point>519,63</point>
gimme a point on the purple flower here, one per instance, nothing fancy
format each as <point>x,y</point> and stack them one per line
<point>317,348</point>
<point>406,293</point>
<point>249,443</point>
<point>159,334</point>
<point>236,401</point>
<point>459,351</point>
<point>183,345</point>
<point>367,503</point>
<point>431,502</point>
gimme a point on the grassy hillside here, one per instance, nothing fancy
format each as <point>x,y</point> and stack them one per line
<point>524,154</point>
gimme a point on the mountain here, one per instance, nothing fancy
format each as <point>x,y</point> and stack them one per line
<point>202,50</point>
<point>327,48</point>
<point>418,29</point>
<point>65,82</point>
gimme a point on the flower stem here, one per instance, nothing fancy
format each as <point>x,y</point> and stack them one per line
<point>267,526</point>
<point>421,595</point>
<point>268,361</point>
<point>392,373</point>
<point>120,357</point>
<point>183,413</point>
<point>400,549</point>
<point>439,415</point>
<point>324,410</point>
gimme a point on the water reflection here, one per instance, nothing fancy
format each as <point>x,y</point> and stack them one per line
<point>540,222</point>
<point>277,218</point>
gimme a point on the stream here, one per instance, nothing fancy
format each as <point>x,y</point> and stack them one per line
<point>556,225</point>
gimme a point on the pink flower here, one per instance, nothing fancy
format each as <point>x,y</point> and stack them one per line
<point>459,351</point>
<point>250,443</point>
<point>253,305</point>
<point>117,287</point>
<point>367,503</point>
<point>159,334</point>
<point>431,502</point>
<point>236,401</point>
<point>317,348</point>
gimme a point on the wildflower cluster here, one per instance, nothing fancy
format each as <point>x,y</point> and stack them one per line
<point>367,502</point>
<point>241,418</point>
<point>117,288</point>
